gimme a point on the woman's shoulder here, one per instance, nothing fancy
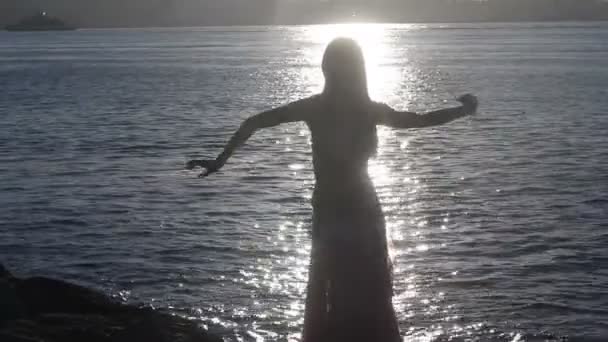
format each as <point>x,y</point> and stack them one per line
<point>379,107</point>
<point>313,100</point>
<point>308,107</point>
<point>305,103</point>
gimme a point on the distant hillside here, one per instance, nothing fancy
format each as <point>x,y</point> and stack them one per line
<point>141,13</point>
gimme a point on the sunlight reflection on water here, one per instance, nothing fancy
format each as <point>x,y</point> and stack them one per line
<point>397,189</point>
<point>483,214</point>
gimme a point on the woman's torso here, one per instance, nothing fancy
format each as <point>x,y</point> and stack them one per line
<point>344,138</point>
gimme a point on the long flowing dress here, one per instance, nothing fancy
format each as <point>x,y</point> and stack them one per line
<point>349,294</point>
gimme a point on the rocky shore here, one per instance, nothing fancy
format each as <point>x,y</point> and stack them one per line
<point>41,309</point>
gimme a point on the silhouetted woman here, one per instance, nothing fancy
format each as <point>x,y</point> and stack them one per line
<point>349,294</point>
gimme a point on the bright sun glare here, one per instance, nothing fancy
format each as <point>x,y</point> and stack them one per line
<point>375,41</point>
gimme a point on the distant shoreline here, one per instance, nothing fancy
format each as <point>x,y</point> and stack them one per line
<point>348,22</point>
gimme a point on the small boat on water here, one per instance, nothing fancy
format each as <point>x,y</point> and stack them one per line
<point>40,22</point>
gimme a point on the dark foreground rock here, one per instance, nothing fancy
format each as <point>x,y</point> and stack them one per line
<point>47,310</point>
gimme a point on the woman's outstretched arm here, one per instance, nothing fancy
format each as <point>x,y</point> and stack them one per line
<point>397,119</point>
<point>295,111</point>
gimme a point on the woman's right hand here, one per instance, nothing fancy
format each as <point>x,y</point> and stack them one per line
<point>210,166</point>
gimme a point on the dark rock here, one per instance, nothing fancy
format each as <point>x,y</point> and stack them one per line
<point>11,307</point>
<point>42,309</point>
<point>4,273</point>
<point>66,298</point>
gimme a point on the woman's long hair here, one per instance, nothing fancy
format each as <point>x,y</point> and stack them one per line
<point>344,70</point>
<point>345,94</point>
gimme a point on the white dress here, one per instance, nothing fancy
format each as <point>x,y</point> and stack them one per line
<point>349,295</point>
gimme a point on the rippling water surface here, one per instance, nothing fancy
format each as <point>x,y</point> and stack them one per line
<point>498,223</point>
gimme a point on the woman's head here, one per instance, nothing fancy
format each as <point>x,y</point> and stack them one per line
<point>344,69</point>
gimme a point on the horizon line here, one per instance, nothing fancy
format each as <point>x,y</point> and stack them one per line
<point>514,21</point>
